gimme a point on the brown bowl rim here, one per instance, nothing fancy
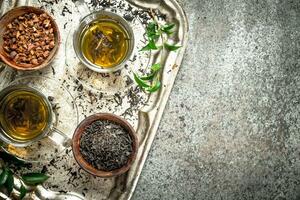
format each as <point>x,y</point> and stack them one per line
<point>53,52</point>
<point>85,165</point>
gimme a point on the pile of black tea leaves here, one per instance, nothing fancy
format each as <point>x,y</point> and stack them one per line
<point>106,145</point>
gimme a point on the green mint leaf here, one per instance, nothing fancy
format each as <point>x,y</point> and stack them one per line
<point>154,87</point>
<point>9,182</point>
<point>152,31</point>
<point>23,191</point>
<point>150,46</point>
<point>11,159</point>
<point>34,178</point>
<point>153,36</point>
<point>148,78</point>
<point>140,82</point>
<point>168,28</point>
<point>171,47</point>
<point>152,27</point>
<point>169,32</point>
<point>155,67</point>
<point>3,176</point>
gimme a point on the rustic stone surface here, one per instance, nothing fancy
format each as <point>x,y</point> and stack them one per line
<point>231,129</point>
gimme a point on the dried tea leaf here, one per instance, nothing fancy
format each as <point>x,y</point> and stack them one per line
<point>106,145</point>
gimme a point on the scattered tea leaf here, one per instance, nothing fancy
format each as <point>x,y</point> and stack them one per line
<point>171,47</point>
<point>34,178</point>
<point>155,87</point>
<point>23,191</point>
<point>140,82</point>
<point>3,176</point>
<point>9,182</point>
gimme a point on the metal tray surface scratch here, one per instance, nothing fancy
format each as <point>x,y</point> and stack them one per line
<point>143,111</point>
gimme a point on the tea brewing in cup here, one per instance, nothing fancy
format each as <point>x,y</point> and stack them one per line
<point>26,116</point>
<point>103,41</point>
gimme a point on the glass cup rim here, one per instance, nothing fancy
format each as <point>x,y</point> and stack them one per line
<point>86,21</point>
<point>45,132</point>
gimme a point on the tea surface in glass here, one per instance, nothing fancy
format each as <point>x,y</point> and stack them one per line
<point>24,115</point>
<point>105,43</point>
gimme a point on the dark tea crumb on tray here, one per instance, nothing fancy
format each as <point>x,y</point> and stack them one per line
<point>106,145</point>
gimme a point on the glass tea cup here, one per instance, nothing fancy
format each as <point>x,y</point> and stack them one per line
<point>102,17</point>
<point>26,118</point>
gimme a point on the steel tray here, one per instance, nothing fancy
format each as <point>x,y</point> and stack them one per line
<point>115,93</point>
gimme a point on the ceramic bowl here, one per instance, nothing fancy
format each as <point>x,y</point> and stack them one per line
<point>8,18</point>
<point>88,167</point>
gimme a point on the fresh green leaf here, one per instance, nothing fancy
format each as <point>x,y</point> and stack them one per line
<point>152,27</point>
<point>23,191</point>
<point>11,159</point>
<point>3,176</point>
<point>168,28</point>
<point>168,32</point>
<point>155,67</point>
<point>140,82</point>
<point>150,46</point>
<point>9,182</point>
<point>34,178</point>
<point>171,47</point>
<point>154,87</point>
<point>148,77</point>
<point>152,31</point>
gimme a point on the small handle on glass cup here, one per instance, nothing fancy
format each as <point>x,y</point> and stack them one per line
<point>60,137</point>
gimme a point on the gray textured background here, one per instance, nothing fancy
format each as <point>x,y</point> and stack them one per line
<point>231,129</point>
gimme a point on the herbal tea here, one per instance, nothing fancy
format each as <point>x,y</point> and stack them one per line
<point>24,115</point>
<point>105,43</point>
